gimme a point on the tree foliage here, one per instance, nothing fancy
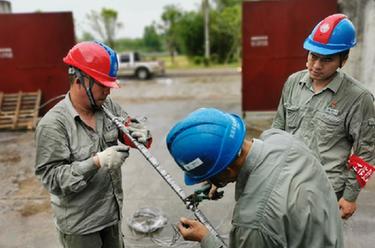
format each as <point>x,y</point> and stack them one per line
<point>151,39</point>
<point>190,34</point>
<point>222,4</point>
<point>226,33</point>
<point>105,24</point>
<point>180,31</point>
<point>171,16</point>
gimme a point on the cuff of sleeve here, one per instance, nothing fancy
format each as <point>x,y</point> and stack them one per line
<point>350,194</point>
<point>210,241</point>
<point>87,168</point>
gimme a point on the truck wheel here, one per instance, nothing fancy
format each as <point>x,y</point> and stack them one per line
<point>142,73</point>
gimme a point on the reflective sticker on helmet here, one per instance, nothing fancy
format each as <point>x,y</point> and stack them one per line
<point>326,27</point>
<point>112,58</point>
<point>193,164</point>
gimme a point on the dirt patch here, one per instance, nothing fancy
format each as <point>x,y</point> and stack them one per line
<point>31,208</point>
<point>31,188</point>
<point>37,198</point>
<point>10,158</point>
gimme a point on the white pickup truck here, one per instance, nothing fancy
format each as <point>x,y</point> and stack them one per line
<point>132,64</point>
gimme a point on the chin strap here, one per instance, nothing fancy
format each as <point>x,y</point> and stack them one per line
<point>78,73</point>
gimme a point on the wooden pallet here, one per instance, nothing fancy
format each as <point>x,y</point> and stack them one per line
<point>19,110</point>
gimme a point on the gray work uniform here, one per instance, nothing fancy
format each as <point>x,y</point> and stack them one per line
<point>332,122</point>
<point>84,199</point>
<point>284,199</point>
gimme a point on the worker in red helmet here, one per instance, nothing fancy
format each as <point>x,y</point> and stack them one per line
<point>78,157</point>
<point>329,110</point>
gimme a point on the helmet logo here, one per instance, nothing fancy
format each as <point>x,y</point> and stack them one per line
<point>324,28</point>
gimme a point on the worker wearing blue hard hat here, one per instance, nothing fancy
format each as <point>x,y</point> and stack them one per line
<point>283,197</point>
<point>329,110</point>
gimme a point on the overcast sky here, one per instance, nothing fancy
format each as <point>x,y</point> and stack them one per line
<point>134,14</point>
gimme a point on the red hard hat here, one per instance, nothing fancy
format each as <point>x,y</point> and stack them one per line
<point>96,60</point>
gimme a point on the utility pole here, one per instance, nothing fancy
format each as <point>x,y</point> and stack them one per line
<point>206,10</point>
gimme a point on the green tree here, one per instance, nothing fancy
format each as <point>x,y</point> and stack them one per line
<point>171,16</point>
<point>151,39</point>
<point>190,34</point>
<point>221,4</point>
<point>105,24</point>
<point>226,33</point>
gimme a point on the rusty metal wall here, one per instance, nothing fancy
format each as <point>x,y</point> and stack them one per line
<point>31,50</point>
<point>273,33</point>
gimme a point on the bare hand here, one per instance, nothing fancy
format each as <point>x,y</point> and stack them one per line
<point>192,230</point>
<point>347,208</point>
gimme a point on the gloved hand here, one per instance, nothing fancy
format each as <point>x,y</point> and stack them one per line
<point>113,157</point>
<point>139,131</point>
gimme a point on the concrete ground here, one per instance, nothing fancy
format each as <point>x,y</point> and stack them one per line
<point>25,214</point>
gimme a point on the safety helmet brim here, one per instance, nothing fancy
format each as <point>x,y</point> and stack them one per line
<point>316,47</point>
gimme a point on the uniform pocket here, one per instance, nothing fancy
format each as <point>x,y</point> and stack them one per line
<point>292,117</point>
<point>328,125</point>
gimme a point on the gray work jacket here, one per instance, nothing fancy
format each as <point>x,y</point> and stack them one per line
<point>332,122</point>
<point>83,198</point>
<point>284,199</point>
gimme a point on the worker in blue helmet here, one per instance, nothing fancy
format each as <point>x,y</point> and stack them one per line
<point>330,111</point>
<point>283,197</point>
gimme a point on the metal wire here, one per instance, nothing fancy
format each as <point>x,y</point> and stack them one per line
<point>51,100</point>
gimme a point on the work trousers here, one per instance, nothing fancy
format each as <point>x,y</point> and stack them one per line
<point>110,237</point>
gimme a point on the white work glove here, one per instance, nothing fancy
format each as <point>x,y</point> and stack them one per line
<point>113,157</point>
<point>139,131</point>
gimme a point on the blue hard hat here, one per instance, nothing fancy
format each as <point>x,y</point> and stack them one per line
<point>334,34</point>
<point>205,143</point>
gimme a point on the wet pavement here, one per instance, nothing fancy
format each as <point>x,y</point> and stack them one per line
<point>25,215</point>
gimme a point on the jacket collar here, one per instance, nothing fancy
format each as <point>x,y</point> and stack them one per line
<point>250,163</point>
<point>334,85</point>
<point>69,106</point>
